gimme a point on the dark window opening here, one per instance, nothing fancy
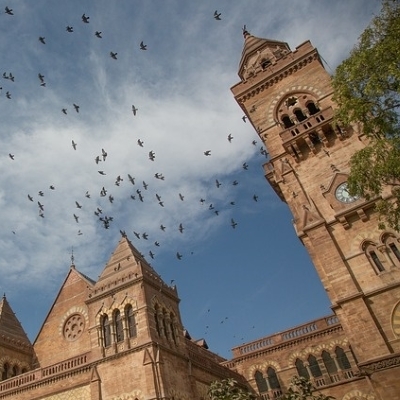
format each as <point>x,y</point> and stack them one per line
<point>265,63</point>
<point>301,369</point>
<point>119,328</point>
<point>299,115</point>
<point>105,325</point>
<point>395,250</point>
<point>157,320</point>
<point>287,122</point>
<point>261,382</point>
<point>312,108</point>
<point>130,321</point>
<point>342,359</point>
<point>273,379</point>
<point>376,261</point>
<point>329,362</point>
<point>172,327</point>
<point>314,138</point>
<point>4,374</point>
<point>314,367</point>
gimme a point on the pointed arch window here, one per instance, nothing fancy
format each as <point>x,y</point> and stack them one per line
<point>164,322</point>
<point>273,379</point>
<point>342,359</point>
<point>329,362</point>
<point>299,115</point>
<point>260,382</point>
<point>172,327</point>
<point>287,122</point>
<point>6,369</point>
<point>372,254</point>
<point>312,108</point>
<point>314,367</point>
<point>106,331</point>
<point>118,326</point>
<point>130,321</point>
<point>301,369</point>
<point>156,319</point>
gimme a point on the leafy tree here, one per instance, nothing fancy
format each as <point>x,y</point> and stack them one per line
<point>367,91</point>
<point>228,389</point>
<point>302,389</point>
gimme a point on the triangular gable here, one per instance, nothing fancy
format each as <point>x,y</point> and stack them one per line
<point>72,276</point>
<point>125,258</point>
<point>338,178</point>
<point>10,327</point>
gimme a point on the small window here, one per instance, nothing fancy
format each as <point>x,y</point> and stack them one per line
<point>273,379</point>
<point>265,63</point>
<point>301,369</point>
<point>379,266</point>
<point>4,374</point>
<point>156,319</point>
<point>299,115</point>
<point>172,327</point>
<point>119,328</point>
<point>373,257</point>
<point>312,108</point>
<point>287,122</point>
<point>342,359</point>
<point>261,382</point>
<point>105,326</point>
<point>329,362</point>
<point>395,250</point>
<point>130,321</point>
<point>314,367</point>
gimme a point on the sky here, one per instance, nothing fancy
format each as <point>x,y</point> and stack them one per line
<point>235,284</point>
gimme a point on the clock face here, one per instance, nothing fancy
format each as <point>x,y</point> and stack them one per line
<point>343,195</point>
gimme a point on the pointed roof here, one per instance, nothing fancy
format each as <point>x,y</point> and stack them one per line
<point>126,261</point>
<point>10,327</point>
<point>252,44</point>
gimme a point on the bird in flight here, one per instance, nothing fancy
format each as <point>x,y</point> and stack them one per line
<point>217,183</point>
<point>41,77</point>
<point>76,107</point>
<point>181,196</point>
<point>101,172</point>
<point>11,156</point>
<point>217,15</point>
<point>207,153</point>
<point>152,155</point>
<point>131,179</point>
<point>134,109</point>
<point>74,145</point>
<point>137,234</point>
<point>30,197</point>
<point>113,55</point>
<point>76,218</point>
<point>104,154</point>
<point>69,29</point>
<point>180,228</point>
<point>145,185</point>
<point>42,39</point>
<point>178,256</point>
<point>245,166</point>
<point>77,205</point>
<point>140,143</point>
<point>162,227</point>
<point>244,118</point>
<point>143,46</point>
<point>85,19</point>
<point>9,11</point>
<point>98,34</point>
<point>233,223</point>
<point>255,197</point>
<point>230,137</point>
<point>97,159</point>
<point>159,176</point>
<point>8,95</point>
<point>64,110</point>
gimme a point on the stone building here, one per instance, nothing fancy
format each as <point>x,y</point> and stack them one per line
<point>121,337</point>
<point>354,354</point>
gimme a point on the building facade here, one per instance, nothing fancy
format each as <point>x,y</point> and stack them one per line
<point>287,96</point>
<point>121,337</point>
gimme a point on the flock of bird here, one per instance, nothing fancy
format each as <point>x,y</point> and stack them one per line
<point>138,195</point>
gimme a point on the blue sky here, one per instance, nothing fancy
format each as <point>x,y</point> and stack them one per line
<point>235,285</point>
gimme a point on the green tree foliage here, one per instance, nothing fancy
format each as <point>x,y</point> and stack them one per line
<point>228,389</point>
<point>367,91</point>
<point>302,389</point>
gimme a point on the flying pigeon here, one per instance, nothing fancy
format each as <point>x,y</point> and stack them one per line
<point>217,15</point>
<point>85,19</point>
<point>9,11</point>
<point>143,46</point>
<point>98,34</point>
<point>113,55</point>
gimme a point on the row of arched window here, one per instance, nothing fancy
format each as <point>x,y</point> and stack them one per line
<point>299,114</point>
<point>9,371</point>
<point>383,255</point>
<point>118,327</point>
<point>267,381</point>
<point>166,323</point>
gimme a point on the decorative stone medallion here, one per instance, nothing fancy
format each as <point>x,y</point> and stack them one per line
<point>74,327</point>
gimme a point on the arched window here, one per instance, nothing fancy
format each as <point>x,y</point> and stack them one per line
<point>392,245</point>
<point>261,382</point>
<point>130,321</point>
<point>165,324</point>
<point>342,359</point>
<point>4,374</point>
<point>314,367</point>
<point>273,379</point>
<point>301,369</point>
<point>106,332</point>
<point>372,254</point>
<point>156,319</point>
<point>14,371</point>
<point>329,362</point>
<point>312,108</point>
<point>299,115</point>
<point>118,326</point>
<point>287,122</point>
<point>172,327</point>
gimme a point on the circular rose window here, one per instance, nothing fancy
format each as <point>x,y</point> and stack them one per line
<point>73,327</point>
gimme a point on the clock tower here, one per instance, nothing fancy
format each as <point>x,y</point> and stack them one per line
<point>287,97</point>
